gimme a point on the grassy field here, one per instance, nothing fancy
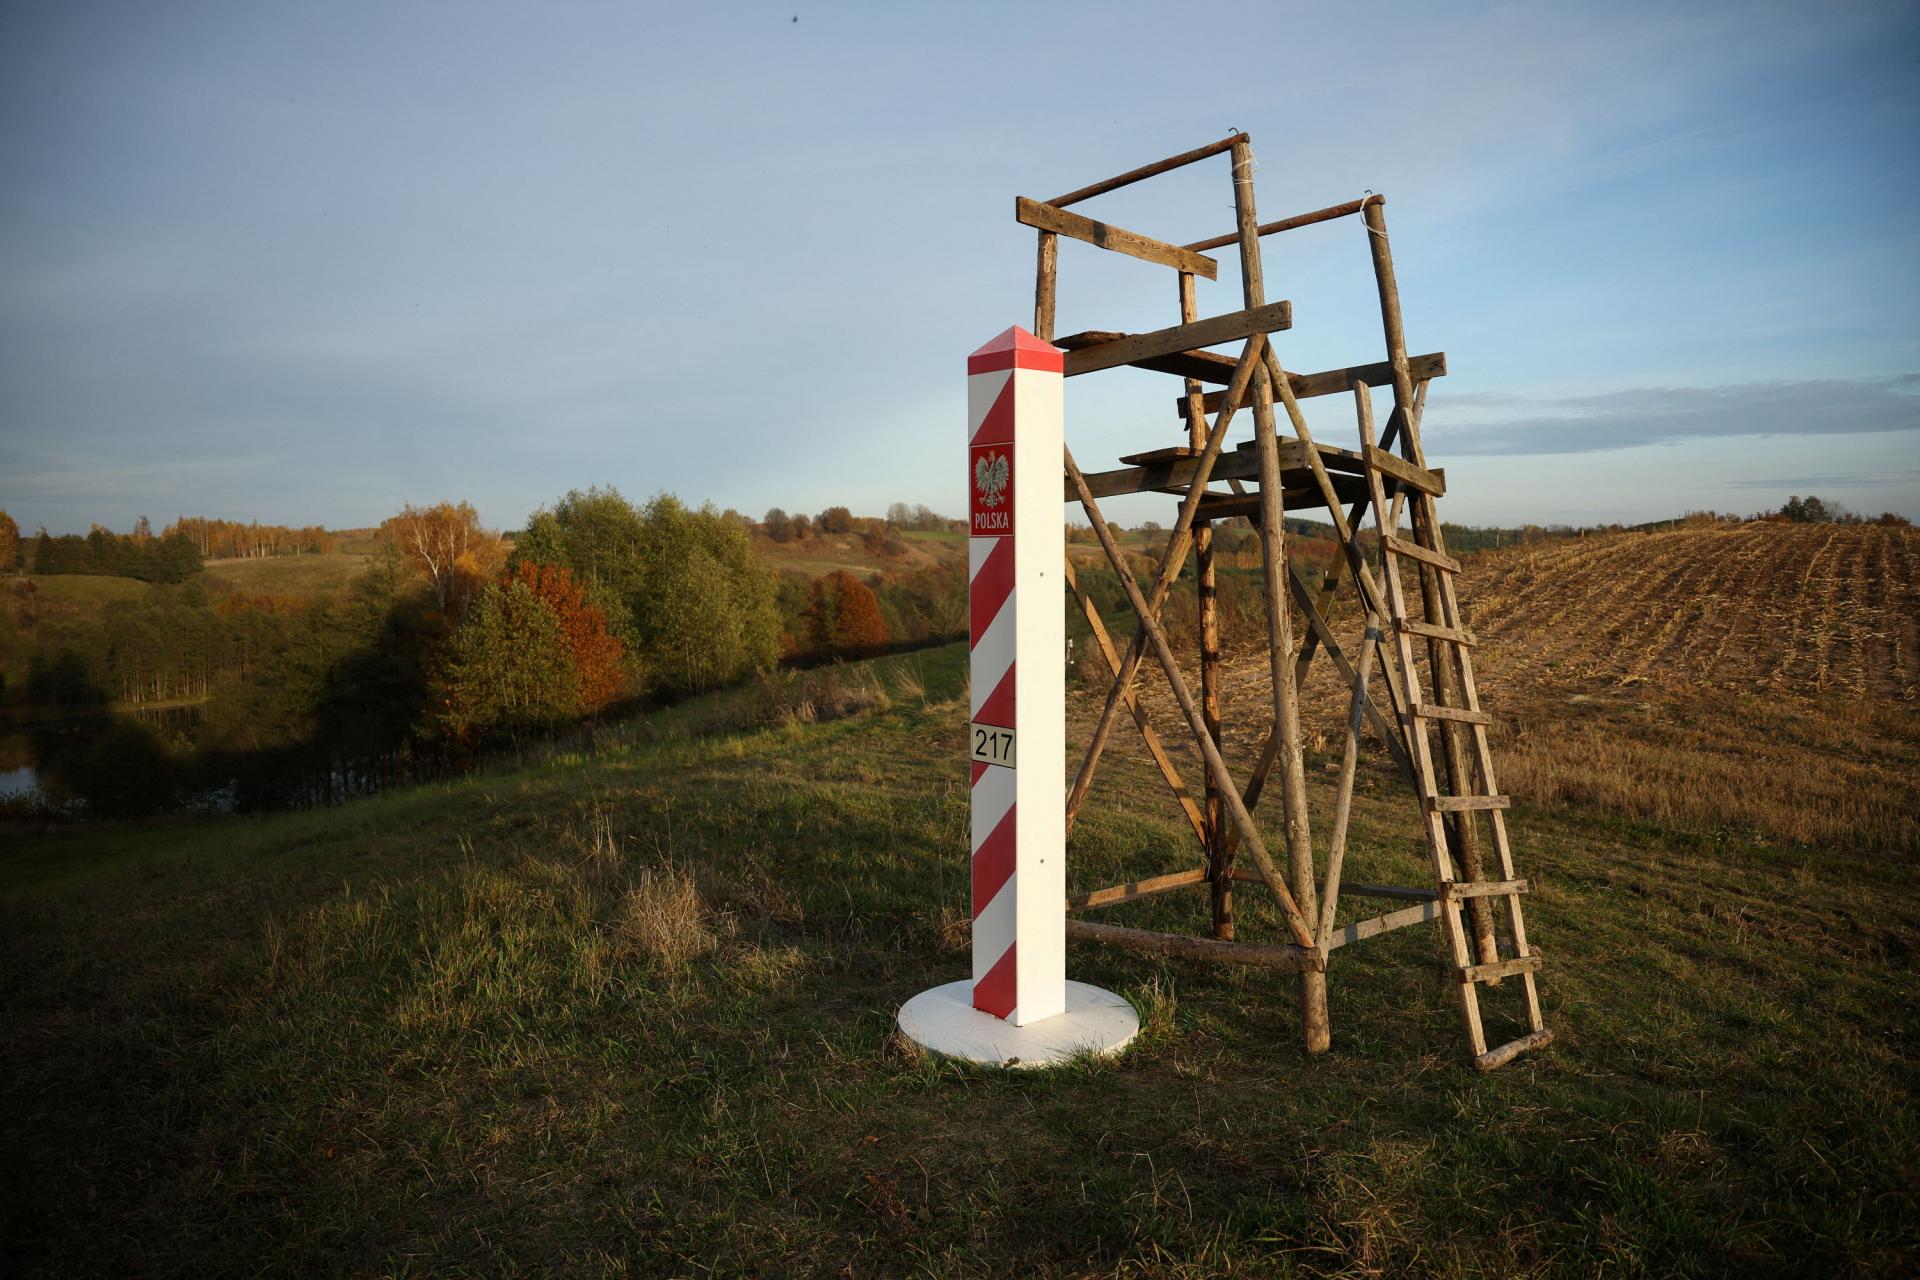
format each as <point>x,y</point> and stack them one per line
<point>628,1010</point>
<point>286,575</point>
<point>822,553</point>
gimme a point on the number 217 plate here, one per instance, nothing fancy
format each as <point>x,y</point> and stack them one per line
<point>992,743</point>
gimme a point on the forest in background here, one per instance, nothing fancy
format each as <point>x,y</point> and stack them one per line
<point>250,666</point>
<point>138,672</point>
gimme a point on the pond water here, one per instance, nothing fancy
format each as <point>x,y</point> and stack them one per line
<point>18,782</point>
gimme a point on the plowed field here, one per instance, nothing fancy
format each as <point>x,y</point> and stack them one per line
<point>1762,679</point>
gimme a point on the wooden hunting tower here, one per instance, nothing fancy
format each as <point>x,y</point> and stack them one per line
<point>1408,623</point>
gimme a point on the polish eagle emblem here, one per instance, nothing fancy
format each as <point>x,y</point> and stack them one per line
<point>990,478</point>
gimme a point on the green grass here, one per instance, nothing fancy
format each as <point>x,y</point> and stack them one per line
<point>86,591</point>
<point>285,575</point>
<point>420,1034</point>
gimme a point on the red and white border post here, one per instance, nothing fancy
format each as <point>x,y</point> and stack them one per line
<point>1019,1008</point>
<point>1016,544</point>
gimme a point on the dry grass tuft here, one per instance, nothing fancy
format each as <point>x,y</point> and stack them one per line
<point>1154,1000</point>
<point>906,685</point>
<point>664,918</point>
<point>953,930</point>
<point>827,693</point>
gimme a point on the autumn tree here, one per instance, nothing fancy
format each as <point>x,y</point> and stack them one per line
<point>683,588</point>
<point>843,617</point>
<point>9,543</point>
<point>506,667</point>
<point>596,654</point>
<point>778,525</point>
<point>834,520</point>
<point>446,543</point>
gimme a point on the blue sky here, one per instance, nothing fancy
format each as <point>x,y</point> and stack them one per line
<point>305,263</point>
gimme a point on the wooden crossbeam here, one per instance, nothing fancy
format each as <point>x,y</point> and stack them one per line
<point>1459,715</point>
<point>1254,954</point>
<point>1237,464</point>
<point>1360,930</point>
<point>1145,171</point>
<point>1104,235</point>
<point>1432,483</point>
<point>1468,804</point>
<point>1201,366</point>
<point>1425,555</point>
<point>1327,214</point>
<point>1132,348</point>
<point>1298,497</point>
<point>1482,888</point>
<point>1332,382</point>
<point>1455,635</point>
<point>1135,889</point>
<point>1494,1059</point>
<point>1499,969</point>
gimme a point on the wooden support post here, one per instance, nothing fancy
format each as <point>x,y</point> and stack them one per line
<point>1046,286</point>
<point>1463,832</point>
<point>1349,764</point>
<point>1273,535</point>
<point>1206,579</point>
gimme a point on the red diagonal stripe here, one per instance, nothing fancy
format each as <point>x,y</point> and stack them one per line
<point>994,993</point>
<point>979,767</point>
<point>998,708</point>
<point>991,587</point>
<point>997,426</point>
<point>993,862</point>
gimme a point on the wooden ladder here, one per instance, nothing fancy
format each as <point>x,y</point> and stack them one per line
<point>1463,890</point>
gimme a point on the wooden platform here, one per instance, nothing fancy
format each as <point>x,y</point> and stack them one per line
<point>1171,470</point>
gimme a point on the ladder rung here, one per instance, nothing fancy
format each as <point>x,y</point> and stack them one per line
<point>1405,472</point>
<point>1467,804</point>
<point>1432,632</point>
<point>1499,969</point>
<point>1454,889</point>
<point>1434,711</point>
<point>1414,551</point>
<point>1512,1049</point>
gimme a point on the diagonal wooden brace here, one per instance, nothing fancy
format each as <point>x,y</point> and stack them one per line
<point>1216,764</point>
<point>1178,544</point>
<point>1147,733</point>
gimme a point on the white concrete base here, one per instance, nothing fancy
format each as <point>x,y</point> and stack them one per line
<point>944,1021</point>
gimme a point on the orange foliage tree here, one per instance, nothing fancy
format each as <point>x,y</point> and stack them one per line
<point>843,616</point>
<point>596,652</point>
<point>446,543</point>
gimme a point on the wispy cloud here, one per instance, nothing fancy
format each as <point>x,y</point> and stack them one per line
<point>1494,423</point>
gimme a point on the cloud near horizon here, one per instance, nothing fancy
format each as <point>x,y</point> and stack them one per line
<point>1497,423</point>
